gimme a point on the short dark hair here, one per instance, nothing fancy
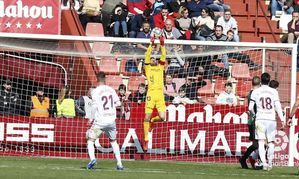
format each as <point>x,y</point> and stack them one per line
<point>141,85</point>
<point>219,26</point>
<point>265,78</point>
<point>230,31</point>
<point>256,80</point>
<point>274,84</point>
<point>101,76</point>
<point>182,89</point>
<point>122,87</point>
<point>164,7</point>
<point>228,84</point>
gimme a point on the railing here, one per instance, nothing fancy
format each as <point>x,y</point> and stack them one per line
<point>258,4</point>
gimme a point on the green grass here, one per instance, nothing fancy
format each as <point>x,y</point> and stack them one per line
<point>41,168</point>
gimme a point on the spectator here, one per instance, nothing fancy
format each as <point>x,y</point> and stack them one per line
<point>140,95</point>
<point>91,12</point>
<point>65,105</point>
<point>293,28</point>
<point>170,90</point>
<point>83,105</point>
<point>183,23</point>
<point>171,32</point>
<point>160,18</point>
<point>65,4</point>
<point>157,6</point>
<point>195,7</point>
<point>182,98</point>
<point>176,64</point>
<point>138,6</point>
<point>144,34</point>
<point>9,100</point>
<point>281,5</point>
<point>219,36</point>
<point>40,104</point>
<point>218,7</point>
<point>229,23</point>
<point>274,84</point>
<point>227,96</point>
<point>193,83</point>
<point>203,25</point>
<point>174,6</point>
<point>139,20</point>
<point>124,109</point>
<point>119,17</point>
<point>243,58</point>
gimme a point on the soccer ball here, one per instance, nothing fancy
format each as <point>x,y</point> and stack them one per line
<point>157,32</point>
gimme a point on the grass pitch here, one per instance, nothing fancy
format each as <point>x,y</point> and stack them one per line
<point>42,168</point>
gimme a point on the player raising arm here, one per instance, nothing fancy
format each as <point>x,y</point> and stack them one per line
<point>267,102</point>
<point>104,101</point>
<point>154,71</point>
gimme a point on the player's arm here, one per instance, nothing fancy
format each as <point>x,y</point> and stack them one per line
<point>163,51</point>
<point>293,110</point>
<point>278,109</point>
<point>116,99</point>
<point>148,52</point>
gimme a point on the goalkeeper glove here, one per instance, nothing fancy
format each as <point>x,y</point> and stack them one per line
<point>161,40</point>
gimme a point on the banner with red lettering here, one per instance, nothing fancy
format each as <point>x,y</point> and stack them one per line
<point>198,133</point>
<point>30,16</point>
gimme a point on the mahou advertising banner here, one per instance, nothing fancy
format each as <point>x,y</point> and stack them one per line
<point>198,133</point>
<point>30,16</point>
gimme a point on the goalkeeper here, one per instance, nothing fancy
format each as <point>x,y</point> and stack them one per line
<point>154,71</point>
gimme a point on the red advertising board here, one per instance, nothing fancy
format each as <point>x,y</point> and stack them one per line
<point>30,16</point>
<point>192,133</point>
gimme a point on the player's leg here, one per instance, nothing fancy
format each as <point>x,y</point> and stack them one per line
<point>92,134</point>
<point>149,106</point>
<point>260,135</point>
<point>250,149</point>
<point>111,133</point>
<point>161,107</point>
<point>271,130</point>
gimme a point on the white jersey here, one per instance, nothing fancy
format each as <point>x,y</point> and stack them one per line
<point>104,102</point>
<point>265,99</point>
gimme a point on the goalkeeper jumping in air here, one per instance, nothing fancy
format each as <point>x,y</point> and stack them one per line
<point>154,71</point>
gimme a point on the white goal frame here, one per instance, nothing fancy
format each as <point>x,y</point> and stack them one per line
<point>263,46</point>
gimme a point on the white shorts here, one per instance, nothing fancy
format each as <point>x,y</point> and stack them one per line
<point>95,132</point>
<point>265,129</point>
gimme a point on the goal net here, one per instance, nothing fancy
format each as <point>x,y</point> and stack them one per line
<point>203,123</point>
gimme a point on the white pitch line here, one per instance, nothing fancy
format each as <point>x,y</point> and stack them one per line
<point>141,170</point>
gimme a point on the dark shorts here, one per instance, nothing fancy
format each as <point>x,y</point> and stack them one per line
<point>251,129</point>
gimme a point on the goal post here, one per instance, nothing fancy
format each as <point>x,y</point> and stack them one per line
<point>201,129</point>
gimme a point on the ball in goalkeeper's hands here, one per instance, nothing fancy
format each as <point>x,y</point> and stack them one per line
<point>157,32</point>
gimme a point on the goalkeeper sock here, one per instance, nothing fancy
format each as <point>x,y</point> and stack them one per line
<point>116,152</point>
<point>262,151</point>
<point>90,147</point>
<point>146,126</point>
<point>270,153</point>
<point>156,119</point>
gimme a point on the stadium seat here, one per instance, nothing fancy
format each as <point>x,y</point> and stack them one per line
<point>206,90</point>
<point>101,48</point>
<point>240,71</point>
<point>114,81</point>
<point>179,82</point>
<point>108,66</point>
<point>134,81</point>
<point>123,69</point>
<point>243,88</point>
<point>94,29</point>
<point>219,85</point>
